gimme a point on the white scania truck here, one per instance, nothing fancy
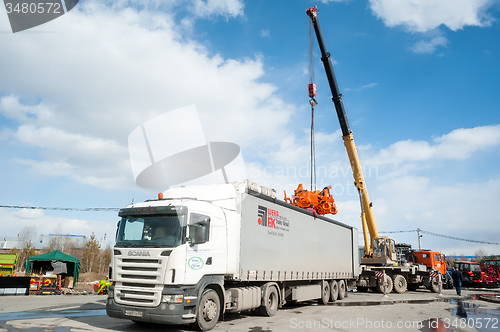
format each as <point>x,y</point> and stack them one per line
<point>203,251</point>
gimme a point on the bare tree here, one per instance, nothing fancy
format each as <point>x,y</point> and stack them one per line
<point>27,250</point>
<point>90,255</point>
<point>480,255</point>
<point>104,260</point>
<point>450,261</point>
<point>56,242</point>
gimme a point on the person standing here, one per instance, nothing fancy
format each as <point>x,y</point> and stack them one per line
<point>457,281</point>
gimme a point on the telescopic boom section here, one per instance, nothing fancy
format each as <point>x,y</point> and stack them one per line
<point>367,217</point>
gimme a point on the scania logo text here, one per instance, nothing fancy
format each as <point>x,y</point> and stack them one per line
<point>138,253</point>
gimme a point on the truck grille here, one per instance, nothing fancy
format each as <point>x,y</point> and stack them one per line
<point>139,281</point>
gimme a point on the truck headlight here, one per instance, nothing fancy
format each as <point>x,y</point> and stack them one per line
<point>111,293</point>
<point>179,298</point>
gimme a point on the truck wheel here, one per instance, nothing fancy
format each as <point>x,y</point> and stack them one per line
<point>208,311</point>
<point>334,290</point>
<point>342,289</point>
<point>434,287</point>
<point>399,284</point>
<point>450,284</point>
<point>270,302</point>
<point>388,285</point>
<point>325,292</point>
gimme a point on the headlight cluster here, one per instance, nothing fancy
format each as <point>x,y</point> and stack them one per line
<point>179,298</point>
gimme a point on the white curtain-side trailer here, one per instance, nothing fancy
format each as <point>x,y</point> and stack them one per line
<point>201,251</point>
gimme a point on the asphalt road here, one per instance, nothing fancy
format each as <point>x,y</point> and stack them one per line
<point>412,311</point>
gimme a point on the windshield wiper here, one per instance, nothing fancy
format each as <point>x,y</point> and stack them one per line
<point>152,245</point>
<point>126,244</point>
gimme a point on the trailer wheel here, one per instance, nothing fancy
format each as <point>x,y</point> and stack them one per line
<point>342,289</point>
<point>208,311</point>
<point>388,285</point>
<point>399,284</point>
<point>270,302</point>
<point>325,292</point>
<point>334,290</point>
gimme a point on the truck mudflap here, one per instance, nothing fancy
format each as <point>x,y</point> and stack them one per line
<point>165,313</point>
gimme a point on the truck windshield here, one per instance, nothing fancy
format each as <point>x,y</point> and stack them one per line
<point>380,247</point>
<point>151,231</point>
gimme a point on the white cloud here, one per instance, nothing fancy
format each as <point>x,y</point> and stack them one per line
<point>265,33</point>
<point>425,15</point>
<point>457,145</point>
<point>13,221</point>
<point>327,1</point>
<point>109,69</point>
<point>363,87</point>
<point>11,108</point>
<point>28,214</point>
<point>229,8</point>
<point>429,46</point>
<point>412,201</point>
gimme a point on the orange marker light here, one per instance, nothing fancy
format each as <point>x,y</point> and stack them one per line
<point>160,195</point>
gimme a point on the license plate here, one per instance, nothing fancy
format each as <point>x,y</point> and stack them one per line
<point>133,313</point>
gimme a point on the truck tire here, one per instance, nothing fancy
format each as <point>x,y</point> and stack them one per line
<point>270,302</point>
<point>388,285</point>
<point>208,311</point>
<point>450,284</point>
<point>342,289</point>
<point>325,292</point>
<point>399,283</point>
<point>334,290</point>
<point>434,284</point>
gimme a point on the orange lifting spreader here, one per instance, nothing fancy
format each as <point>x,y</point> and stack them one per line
<point>322,201</point>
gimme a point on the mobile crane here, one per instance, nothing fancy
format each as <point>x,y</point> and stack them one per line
<point>380,251</point>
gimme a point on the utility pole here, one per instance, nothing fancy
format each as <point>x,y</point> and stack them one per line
<point>419,242</point>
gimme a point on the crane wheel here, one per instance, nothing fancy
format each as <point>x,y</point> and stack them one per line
<point>388,285</point>
<point>399,283</point>
<point>434,284</point>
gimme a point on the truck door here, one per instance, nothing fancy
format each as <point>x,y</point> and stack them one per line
<point>206,249</point>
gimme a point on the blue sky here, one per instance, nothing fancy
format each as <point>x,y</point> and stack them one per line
<point>419,80</point>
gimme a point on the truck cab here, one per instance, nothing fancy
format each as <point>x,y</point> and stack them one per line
<point>432,259</point>
<point>160,245</point>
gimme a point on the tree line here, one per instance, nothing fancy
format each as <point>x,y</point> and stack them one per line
<point>92,257</point>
